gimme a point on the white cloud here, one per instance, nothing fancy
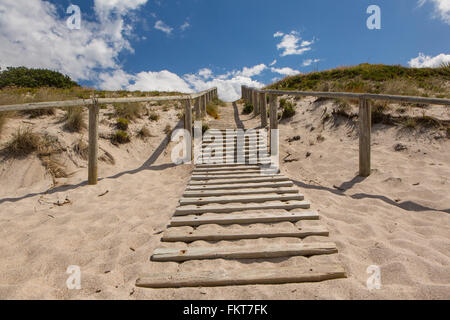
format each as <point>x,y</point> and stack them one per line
<point>278,34</point>
<point>253,71</point>
<point>423,61</point>
<point>205,73</point>
<point>285,71</point>
<point>273,62</point>
<point>185,25</point>
<point>38,37</point>
<point>441,8</point>
<point>159,81</point>
<point>290,44</point>
<point>308,62</point>
<point>160,25</point>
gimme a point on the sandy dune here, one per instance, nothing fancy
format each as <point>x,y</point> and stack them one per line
<point>398,218</point>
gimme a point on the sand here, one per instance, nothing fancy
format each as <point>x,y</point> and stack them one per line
<point>397,219</point>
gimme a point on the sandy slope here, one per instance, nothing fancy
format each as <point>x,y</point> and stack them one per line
<point>386,220</point>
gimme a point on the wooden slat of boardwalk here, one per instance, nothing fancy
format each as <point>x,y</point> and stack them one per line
<point>172,235</point>
<point>244,252</point>
<point>214,278</point>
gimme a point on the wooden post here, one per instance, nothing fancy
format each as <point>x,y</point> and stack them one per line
<point>365,122</point>
<point>255,103</point>
<point>197,108</point>
<point>263,105</point>
<point>273,105</point>
<point>93,143</point>
<point>203,100</point>
<point>188,116</point>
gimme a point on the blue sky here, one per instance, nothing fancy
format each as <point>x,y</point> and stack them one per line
<point>190,45</point>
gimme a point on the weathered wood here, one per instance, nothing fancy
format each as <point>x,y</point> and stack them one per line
<point>218,208</point>
<point>228,180</point>
<point>218,169</point>
<point>263,109</point>
<point>216,278</point>
<point>203,107</point>
<point>224,192</point>
<point>198,114</point>
<point>349,95</point>
<point>227,172</point>
<point>93,144</point>
<point>365,123</point>
<point>234,186</point>
<point>172,235</point>
<point>87,102</point>
<point>244,218</point>
<point>255,103</point>
<point>244,252</point>
<point>273,113</point>
<point>241,199</point>
<point>236,176</point>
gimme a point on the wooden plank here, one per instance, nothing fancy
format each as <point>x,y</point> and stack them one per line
<point>238,168</point>
<point>259,275</point>
<point>226,172</point>
<point>244,252</point>
<point>235,207</point>
<point>268,178</point>
<point>365,123</point>
<point>230,176</point>
<point>263,106</point>
<point>245,218</point>
<point>273,102</point>
<point>171,235</point>
<point>241,199</point>
<point>236,186</point>
<point>224,192</point>
<point>93,144</point>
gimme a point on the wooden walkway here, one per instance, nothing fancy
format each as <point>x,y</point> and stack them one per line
<point>243,196</point>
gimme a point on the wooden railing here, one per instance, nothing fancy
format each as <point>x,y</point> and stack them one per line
<point>200,101</point>
<point>259,101</point>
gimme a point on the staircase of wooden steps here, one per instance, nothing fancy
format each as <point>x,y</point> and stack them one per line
<point>236,211</point>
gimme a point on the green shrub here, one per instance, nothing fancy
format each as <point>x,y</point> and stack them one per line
<point>120,137</point>
<point>34,78</point>
<point>248,108</point>
<point>288,110</point>
<point>154,116</point>
<point>74,119</point>
<point>205,127</point>
<point>379,113</point>
<point>122,124</point>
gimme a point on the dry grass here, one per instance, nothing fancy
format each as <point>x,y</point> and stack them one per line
<point>74,119</point>
<point>120,137</point>
<point>122,124</point>
<point>81,148</point>
<point>129,111</point>
<point>213,110</point>
<point>23,143</point>
<point>168,129</point>
<point>144,133</point>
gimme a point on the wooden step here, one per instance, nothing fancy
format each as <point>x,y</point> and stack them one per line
<point>244,252</point>
<point>220,165</point>
<point>225,192</point>
<point>241,199</point>
<point>235,207</point>
<point>229,180</point>
<point>238,168</point>
<point>233,172</point>
<point>244,218</point>
<point>253,276</point>
<point>204,177</point>
<point>237,186</point>
<point>219,235</point>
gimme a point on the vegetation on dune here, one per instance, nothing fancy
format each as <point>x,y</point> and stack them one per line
<point>154,116</point>
<point>122,124</point>
<point>373,79</point>
<point>248,108</point>
<point>144,133</point>
<point>34,78</point>
<point>74,119</point>
<point>120,137</point>
<point>23,143</point>
<point>129,111</point>
<point>288,109</point>
<point>212,108</point>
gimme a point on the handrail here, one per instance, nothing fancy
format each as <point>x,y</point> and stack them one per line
<point>258,98</point>
<point>202,98</point>
<point>87,102</point>
<point>351,95</point>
